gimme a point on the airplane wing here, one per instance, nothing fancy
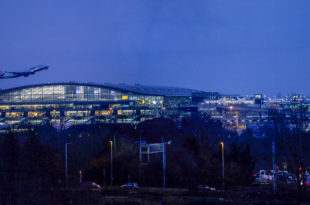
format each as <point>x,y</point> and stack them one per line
<point>4,74</point>
<point>18,73</point>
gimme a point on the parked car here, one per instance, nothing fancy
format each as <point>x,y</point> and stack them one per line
<point>266,177</point>
<point>263,177</point>
<point>205,187</point>
<point>130,185</point>
<point>90,186</point>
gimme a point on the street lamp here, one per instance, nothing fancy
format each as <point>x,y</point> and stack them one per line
<point>81,176</point>
<point>231,108</point>
<point>111,143</point>
<point>223,176</point>
<point>66,156</point>
<point>164,161</point>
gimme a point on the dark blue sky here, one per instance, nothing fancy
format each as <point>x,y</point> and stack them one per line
<point>239,46</point>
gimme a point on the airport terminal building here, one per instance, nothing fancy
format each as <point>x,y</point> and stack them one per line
<point>65,104</point>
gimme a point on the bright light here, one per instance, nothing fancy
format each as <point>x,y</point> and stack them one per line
<point>231,107</point>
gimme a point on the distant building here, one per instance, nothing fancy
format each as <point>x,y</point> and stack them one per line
<point>258,99</point>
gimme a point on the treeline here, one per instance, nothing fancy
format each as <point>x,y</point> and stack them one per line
<point>36,159</point>
<point>33,162</point>
<point>26,167</point>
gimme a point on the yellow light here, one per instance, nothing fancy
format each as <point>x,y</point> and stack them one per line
<point>143,101</point>
<point>161,102</point>
<point>222,143</point>
<point>231,107</point>
<point>124,97</point>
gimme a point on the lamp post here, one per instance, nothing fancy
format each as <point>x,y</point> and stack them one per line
<point>81,176</point>
<point>223,176</point>
<point>231,108</point>
<point>274,181</point>
<point>111,143</point>
<point>164,162</point>
<point>66,159</point>
<point>164,165</point>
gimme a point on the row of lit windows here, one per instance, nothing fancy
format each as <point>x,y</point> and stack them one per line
<point>84,113</point>
<point>76,106</point>
<point>72,93</point>
<point>58,124</point>
<point>50,98</point>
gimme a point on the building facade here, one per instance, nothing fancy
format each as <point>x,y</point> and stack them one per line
<point>65,104</point>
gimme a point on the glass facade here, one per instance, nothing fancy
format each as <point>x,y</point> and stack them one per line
<point>76,103</point>
<point>71,93</point>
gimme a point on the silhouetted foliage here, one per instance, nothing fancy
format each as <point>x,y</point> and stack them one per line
<point>193,157</point>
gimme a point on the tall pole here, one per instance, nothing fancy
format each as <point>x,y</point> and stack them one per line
<point>66,156</point>
<point>275,188</point>
<point>223,167</point>
<point>237,120</point>
<point>104,179</point>
<point>140,150</point>
<point>114,141</point>
<point>81,176</point>
<point>164,165</point>
<point>111,143</point>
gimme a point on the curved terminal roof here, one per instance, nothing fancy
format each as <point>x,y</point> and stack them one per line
<point>154,90</point>
<point>137,88</point>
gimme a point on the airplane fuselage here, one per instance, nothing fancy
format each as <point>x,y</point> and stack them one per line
<point>31,71</point>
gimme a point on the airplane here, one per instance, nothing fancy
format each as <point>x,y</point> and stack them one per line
<point>31,71</point>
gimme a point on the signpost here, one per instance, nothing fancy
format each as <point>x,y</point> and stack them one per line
<point>148,149</point>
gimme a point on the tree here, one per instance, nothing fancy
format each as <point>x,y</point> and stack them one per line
<point>10,158</point>
<point>40,166</point>
<point>288,131</point>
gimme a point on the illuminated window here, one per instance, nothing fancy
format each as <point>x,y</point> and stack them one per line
<point>124,97</point>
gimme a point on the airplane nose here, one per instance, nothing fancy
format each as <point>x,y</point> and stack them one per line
<point>46,67</point>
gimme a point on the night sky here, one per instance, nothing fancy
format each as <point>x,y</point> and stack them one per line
<point>229,46</point>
